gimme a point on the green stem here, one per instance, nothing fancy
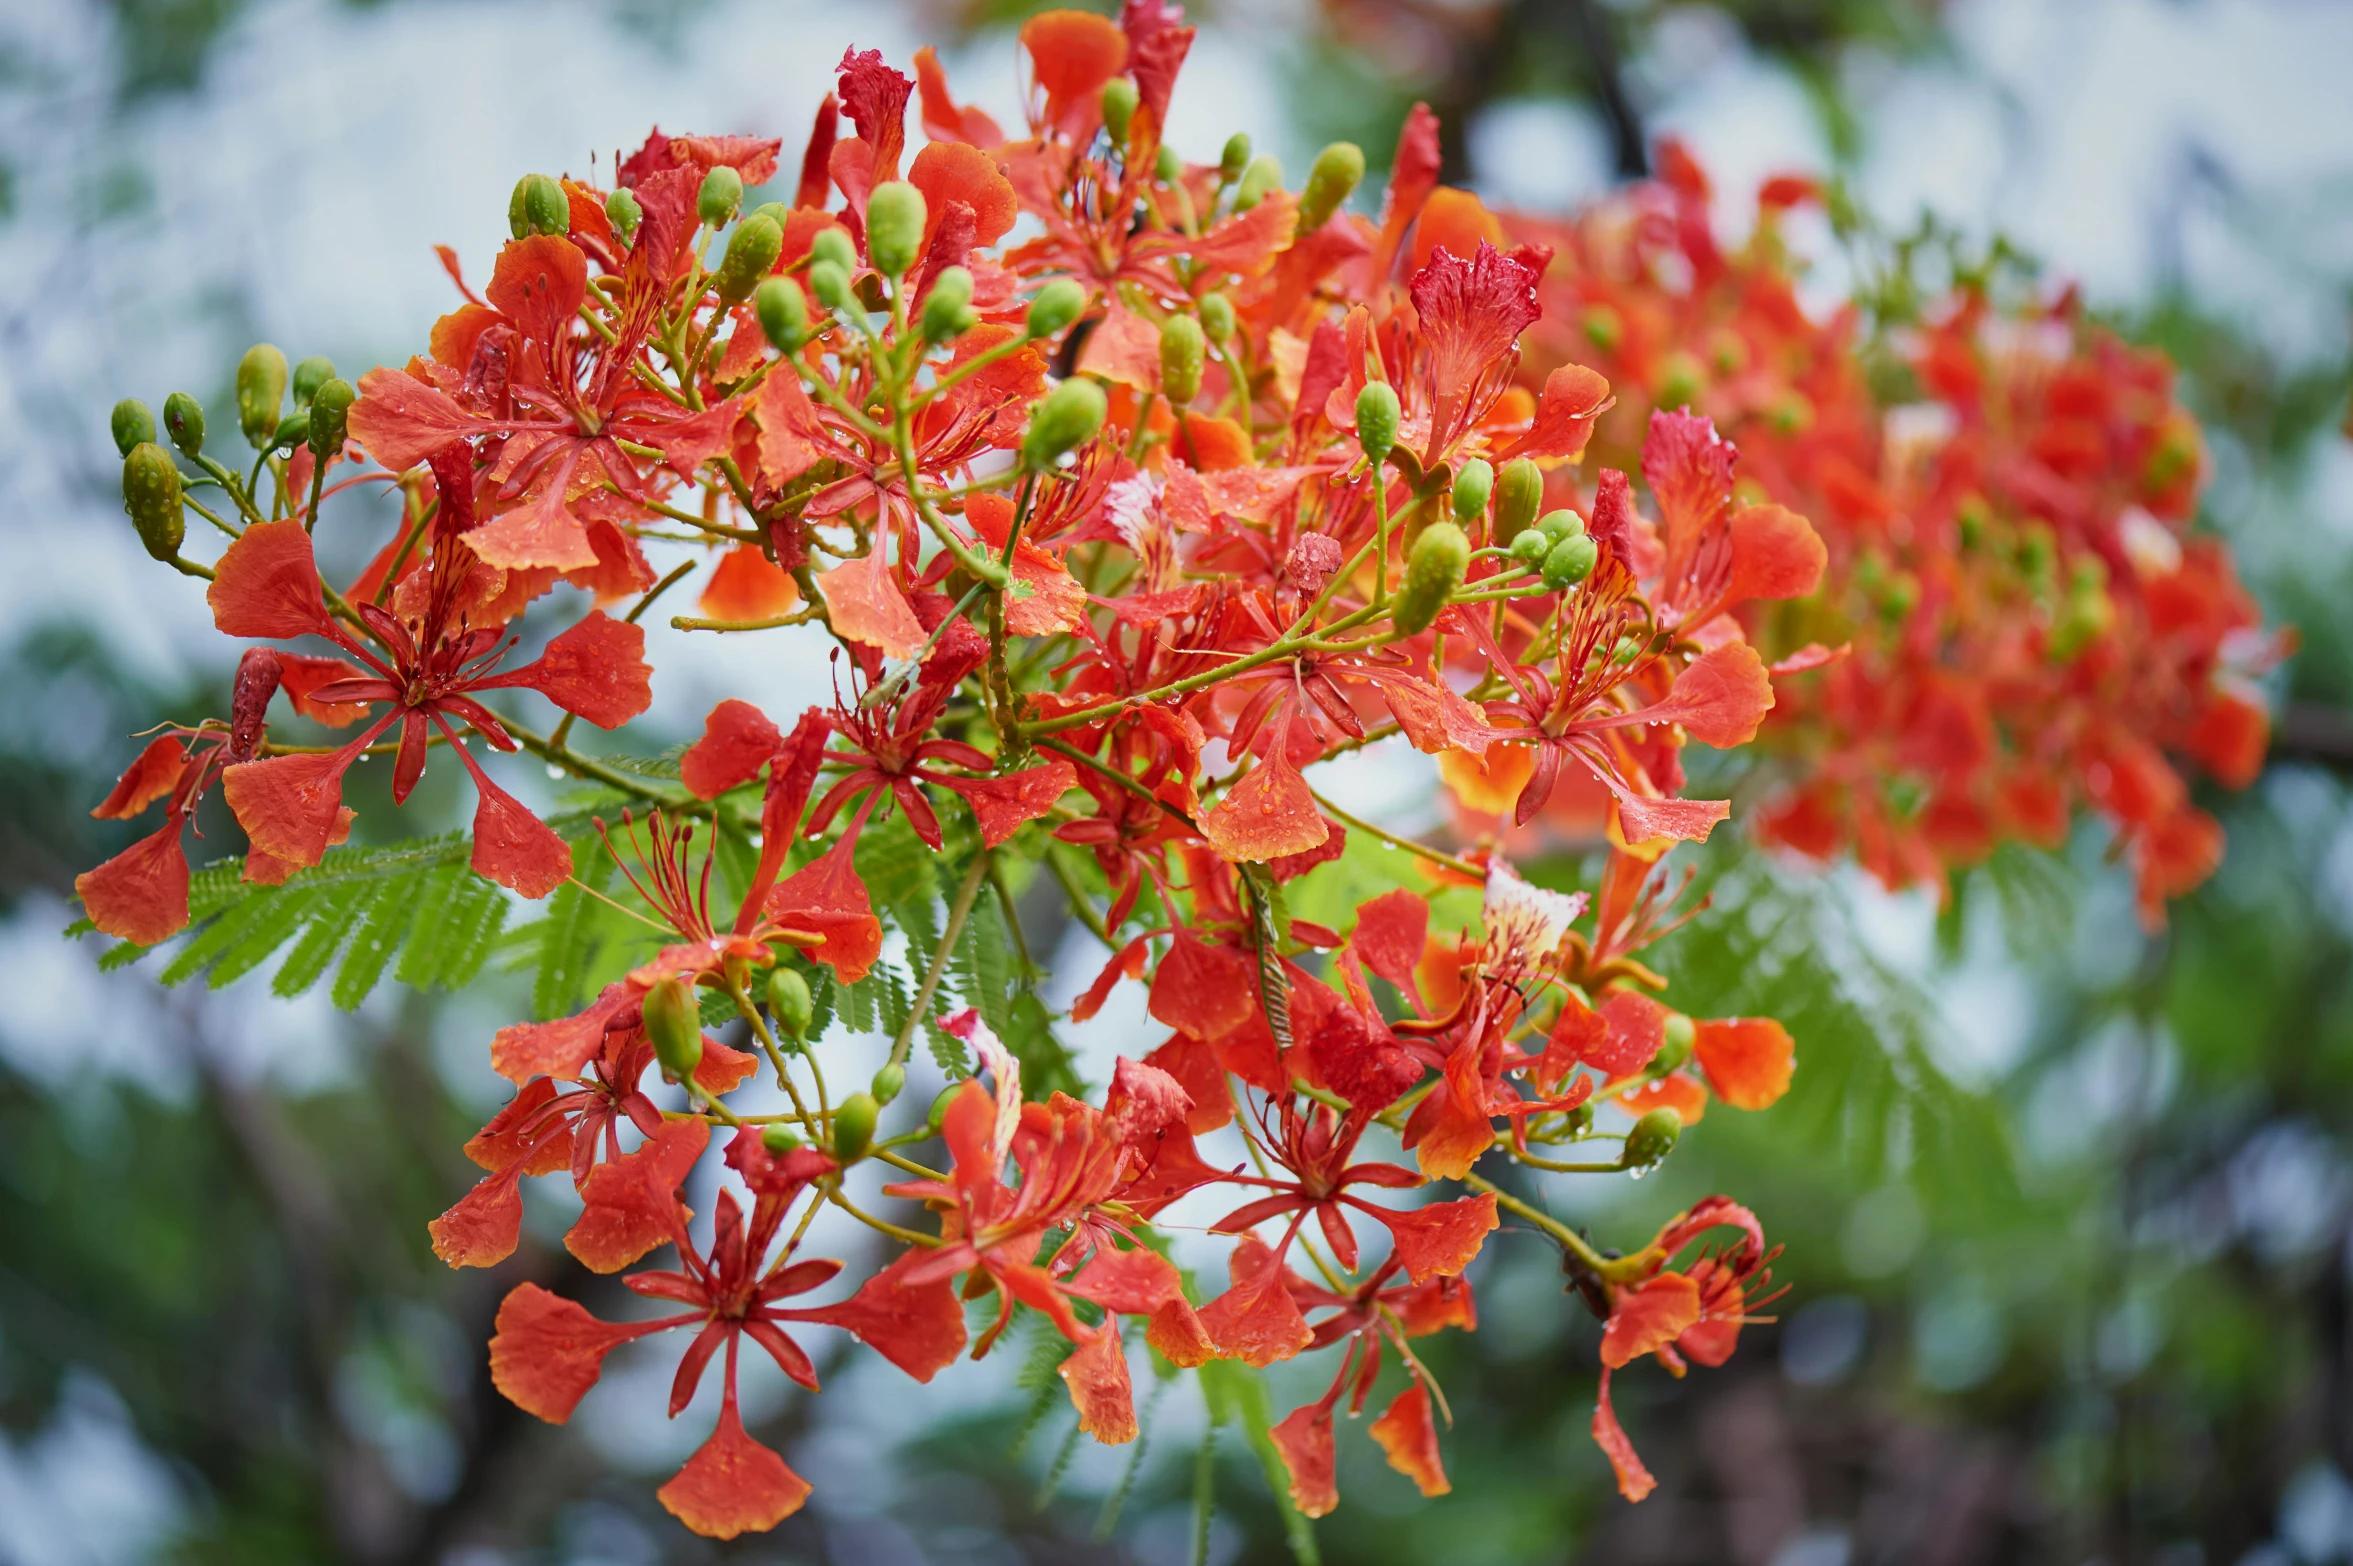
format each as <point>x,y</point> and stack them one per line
<point>958,912</point>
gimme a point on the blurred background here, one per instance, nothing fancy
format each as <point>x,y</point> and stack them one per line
<point>2069,1208</point>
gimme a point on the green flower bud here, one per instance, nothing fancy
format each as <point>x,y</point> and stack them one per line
<point>293,430</point>
<point>721,194</point>
<point>775,212</point>
<point>1570,561</point>
<point>888,1081</point>
<point>784,313</point>
<point>780,1139</point>
<point>1119,109</point>
<point>1681,376</point>
<point>538,206</point>
<point>894,226</point>
<point>1167,167</point>
<point>1604,329</point>
<point>132,425</point>
<point>751,250</point>
<point>1676,1040</point>
<point>1182,352</point>
<point>1377,415</point>
<point>623,212</point>
<point>1337,170</point>
<point>1433,570</point>
<point>947,308</point>
<point>1055,307</point>
<point>833,244</point>
<point>1261,179</point>
<point>1651,1140</point>
<point>789,1001</point>
<point>1217,317</point>
<point>674,1025</point>
<point>1519,495</point>
<point>1529,546</point>
<point>183,415</point>
<point>937,1115</point>
<point>1235,158</point>
<point>311,374</point>
<point>261,389</point>
<point>151,495</point>
<point>853,1126</point>
<point>330,410</point>
<point>1561,524</point>
<point>1065,417</point>
<point>1472,486</point>
<point>830,282</point>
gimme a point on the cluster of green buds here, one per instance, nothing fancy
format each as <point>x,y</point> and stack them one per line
<point>1558,548</point>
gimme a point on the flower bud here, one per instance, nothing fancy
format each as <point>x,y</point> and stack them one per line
<point>674,1025</point>
<point>1604,328</point>
<point>132,425</point>
<point>1182,350</point>
<point>1651,1140</point>
<point>1065,417</point>
<point>261,389</point>
<point>1561,524</point>
<point>1335,174</point>
<point>311,374</point>
<point>1433,571</point>
<point>183,415</point>
<point>1681,376</point>
<point>721,194</point>
<point>830,282</point>
<point>894,226</point>
<point>1377,415</point>
<point>947,309</point>
<point>1570,561</point>
<point>330,409</point>
<point>888,1081</point>
<point>623,212</point>
<point>853,1126</point>
<point>1167,167</point>
<point>1235,158</point>
<point>1119,109</point>
<point>151,495</point>
<point>780,1139</point>
<point>789,1001</point>
<point>1217,317</point>
<point>1055,307</point>
<point>775,212</point>
<point>1519,495</point>
<point>937,1115</point>
<point>751,250</point>
<point>1675,1042</point>
<point>1529,546</point>
<point>293,430</point>
<point>833,244</point>
<point>1261,179</point>
<point>1472,486</point>
<point>538,206</point>
<point>784,313</point>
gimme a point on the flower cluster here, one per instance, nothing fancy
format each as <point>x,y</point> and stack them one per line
<point>2029,625</point>
<point>1128,490</point>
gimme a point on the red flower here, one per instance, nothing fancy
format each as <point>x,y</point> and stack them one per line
<point>548,1351</point>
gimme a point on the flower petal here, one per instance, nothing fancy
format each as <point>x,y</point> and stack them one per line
<point>267,585</point>
<point>1748,1060</point>
<point>1411,1441</point>
<point>733,1485</point>
<point>1304,1438</point>
<point>141,894</point>
<point>547,1351</point>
